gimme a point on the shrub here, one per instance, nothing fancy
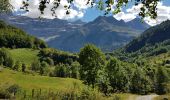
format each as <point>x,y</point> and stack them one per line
<point>13,89</point>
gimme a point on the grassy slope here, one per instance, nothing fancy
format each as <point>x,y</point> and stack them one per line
<point>28,81</point>
<point>26,56</point>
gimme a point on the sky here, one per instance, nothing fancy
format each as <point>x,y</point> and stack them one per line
<point>84,12</point>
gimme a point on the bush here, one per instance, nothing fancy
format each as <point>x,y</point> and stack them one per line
<point>60,71</point>
<point>17,66</point>
<point>13,89</point>
<point>4,94</point>
<point>140,82</point>
<point>35,66</point>
<point>23,67</point>
<point>5,58</point>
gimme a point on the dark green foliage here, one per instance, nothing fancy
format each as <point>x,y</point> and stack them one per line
<point>161,80</point>
<point>5,6</point>
<point>23,67</point>
<point>6,59</point>
<point>4,94</point>
<point>117,75</point>
<point>13,89</point>
<point>9,62</point>
<point>17,66</point>
<point>159,51</point>
<point>93,62</point>
<point>140,83</point>
<point>35,66</point>
<point>12,37</point>
<point>60,71</point>
<point>75,66</point>
<point>44,68</point>
<point>156,34</point>
<point>49,61</point>
<point>2,24</point>
<point>154,41</point>
<point>57,56</point>
<point>1,60</point>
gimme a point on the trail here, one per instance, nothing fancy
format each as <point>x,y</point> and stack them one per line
<point>146,97</point>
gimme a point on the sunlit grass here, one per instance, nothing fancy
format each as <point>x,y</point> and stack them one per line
<point>28,82</point>
<point>26,56</point>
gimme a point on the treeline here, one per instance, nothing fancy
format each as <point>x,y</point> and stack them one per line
<point>112,75</point>
<point>143,53</point>
<point>105,72</point>
<point>51,62</point>
<point>11,37</point>
<point>97,70</point>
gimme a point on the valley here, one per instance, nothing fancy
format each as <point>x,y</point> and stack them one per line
<point>138,69</point>
<point>61,34</point>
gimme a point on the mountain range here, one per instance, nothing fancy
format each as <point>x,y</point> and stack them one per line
<point>105,32</point>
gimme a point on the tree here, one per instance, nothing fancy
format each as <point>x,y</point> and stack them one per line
<point>1,61</point>
<point>161,80</point>
<point>60,71</point>
<point>35,66</point>
<point>140,83</point>
<point>13,89</point>
<point>9,62</point>
<point>17,66</point>
<point>75,66</point>
<point>5,6</point>
<point>93,61</point>
<point>7,59</point>
<point>44,68</point>
<point>50,61</point>
<point>23,67</point>
<point>117,75</point>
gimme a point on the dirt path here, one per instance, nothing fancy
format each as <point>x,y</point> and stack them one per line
<point>146,97</point>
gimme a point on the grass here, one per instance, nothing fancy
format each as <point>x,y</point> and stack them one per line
<point>163,97</point>
<point>28,81</point>
<point>65,85</point>
<point>53,87</point>
<point>26,56</point>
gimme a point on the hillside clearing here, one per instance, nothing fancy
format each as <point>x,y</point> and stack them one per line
<point>26,56</point>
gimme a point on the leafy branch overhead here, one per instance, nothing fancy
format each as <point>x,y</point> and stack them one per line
<point>148,8</point>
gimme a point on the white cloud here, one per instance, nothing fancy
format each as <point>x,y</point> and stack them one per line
<point>131,13</point>
<point>126,17</point>
<point>82,4</point>
<point>78,12</point>
<point>16,4</point>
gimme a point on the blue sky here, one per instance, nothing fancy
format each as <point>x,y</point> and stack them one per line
<point>92,13</point>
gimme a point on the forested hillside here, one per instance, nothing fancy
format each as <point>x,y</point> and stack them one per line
<point>153,42</point>
<point>150,37</point>
<point>11,37</point>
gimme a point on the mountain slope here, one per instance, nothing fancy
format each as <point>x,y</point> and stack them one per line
<point>152,36</point>
<point>138,24</point>
<point>105,32</point>
<point>153,46</point>
<point>12,37</point>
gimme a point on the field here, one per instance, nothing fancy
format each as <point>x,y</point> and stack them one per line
<point>26,56</point>
<point>28,81</point>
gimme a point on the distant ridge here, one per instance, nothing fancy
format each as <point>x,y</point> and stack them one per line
<point>105,31</point>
